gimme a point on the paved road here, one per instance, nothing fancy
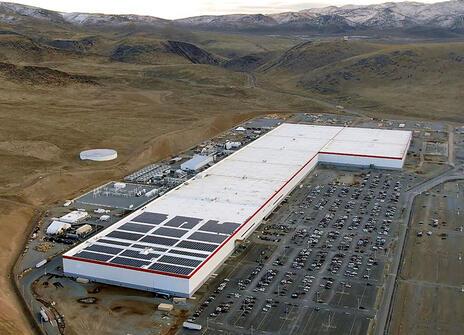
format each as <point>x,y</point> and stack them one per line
<point>25,286</point>
<point>451,153</point>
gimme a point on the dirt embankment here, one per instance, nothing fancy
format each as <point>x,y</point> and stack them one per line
<point>14,220</point>
<point>43,190</point>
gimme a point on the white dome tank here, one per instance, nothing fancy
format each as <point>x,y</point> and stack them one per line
<point>99,155</point>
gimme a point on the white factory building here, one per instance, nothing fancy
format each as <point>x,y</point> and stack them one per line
<point>177,241</point>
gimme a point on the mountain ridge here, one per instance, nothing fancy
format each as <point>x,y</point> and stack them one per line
<point>399,15</point>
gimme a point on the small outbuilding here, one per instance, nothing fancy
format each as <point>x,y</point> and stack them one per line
<point>196,163</point>
<point>165,307</point>
<point>85,229</point>
<point>74,217</point>
<point>57,227</point>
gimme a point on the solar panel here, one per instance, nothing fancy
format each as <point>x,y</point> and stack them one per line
<point>216,227</point>
<point>137,254</point>
<point>183,222</point>
<point>141,246</point>
<point>104,249</point>
<point>124,236</point>
<point>186,253</point>
<point>214,238</point>
<point>104,240</point>
<point>170,232</point>
<point>179,261</point>
<point>93,255</point>
<point>151,218</point>
<point>141,228</point>
<point>171,269</point>
<point>159,240</point>
<point>196,246</point>
<point>136,263</point>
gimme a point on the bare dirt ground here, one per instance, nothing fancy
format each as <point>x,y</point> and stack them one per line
<point>14,223</point>
<point>137,308</point>
<point>432,273</point>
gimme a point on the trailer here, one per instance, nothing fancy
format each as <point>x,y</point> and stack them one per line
<point>191,325</point>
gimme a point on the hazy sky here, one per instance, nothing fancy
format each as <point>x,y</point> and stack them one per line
<point>170,9</point>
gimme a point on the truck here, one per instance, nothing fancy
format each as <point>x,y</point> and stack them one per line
<point>41,263</point>
<point>43,315</point>
<point>191,325</point>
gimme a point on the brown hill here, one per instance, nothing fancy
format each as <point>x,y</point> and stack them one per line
<point>308,56</point>
<point>39,75</point>
<point>416,80</point>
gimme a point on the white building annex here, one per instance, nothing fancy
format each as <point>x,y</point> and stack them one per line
<point>177,241</point>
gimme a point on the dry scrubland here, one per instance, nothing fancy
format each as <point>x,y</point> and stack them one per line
<point>151,94</point>
<point>414,80</point>
<point>429,298</point>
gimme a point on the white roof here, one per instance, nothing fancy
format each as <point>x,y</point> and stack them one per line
<point>370,142</point>
<point>196,161</point>
<point>57,226</point>
<point>232,190</point>
<point>74,216</point>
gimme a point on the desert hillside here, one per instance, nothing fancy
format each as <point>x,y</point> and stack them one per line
<point>402,80</point>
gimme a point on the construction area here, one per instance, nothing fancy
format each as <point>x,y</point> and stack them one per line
<point>303,234</point>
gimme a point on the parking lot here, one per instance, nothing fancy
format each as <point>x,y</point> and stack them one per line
<point>328,245</point>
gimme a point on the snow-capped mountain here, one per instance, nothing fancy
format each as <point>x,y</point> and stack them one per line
<point>386,15</point>
<point>103,19</point>
<point>444,15</point>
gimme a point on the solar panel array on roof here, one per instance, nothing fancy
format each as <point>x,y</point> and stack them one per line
<point>216,227</point>
<point>140,228</point>
<point>129,262</point>
<point>137,254</point>
<point>171,232</point>
<point>170,268</point>
<point>141,246</point>
<point>124,236</point>
<point>214,238</point>
<point>183,222</point>
<point>179,261</point>
<point>94,256</point>
<point>159,240</point>
<point>104,240</point>
<point>150,218</point>
<point>104,249</point>
<point>187,253</point>
<point>196,246</point>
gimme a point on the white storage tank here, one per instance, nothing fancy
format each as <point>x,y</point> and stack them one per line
<point>99,155</point>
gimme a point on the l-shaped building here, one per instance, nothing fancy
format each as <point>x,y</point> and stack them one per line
<point>178,240</point>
